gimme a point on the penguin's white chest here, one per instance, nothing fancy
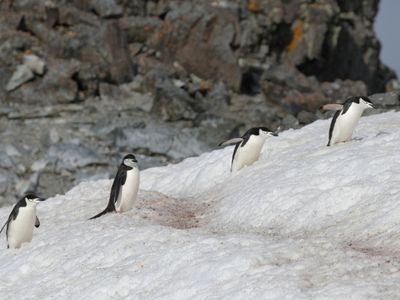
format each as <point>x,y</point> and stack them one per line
<point>128,192</point>
<point>345,124</point>
<point>248,154</point>
<point>20,230</point>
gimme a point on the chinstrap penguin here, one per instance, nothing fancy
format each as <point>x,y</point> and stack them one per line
<point>346,118</point>
<point>21,221</point>
<point>124,188</point>
<point>248,147</point>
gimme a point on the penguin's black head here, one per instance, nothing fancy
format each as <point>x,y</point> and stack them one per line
<point>33,197</point>
<point>129,160</point>
<point>365,101</point>
<point>262,131</point>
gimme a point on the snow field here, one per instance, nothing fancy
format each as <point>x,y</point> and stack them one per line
<point>306,221</point>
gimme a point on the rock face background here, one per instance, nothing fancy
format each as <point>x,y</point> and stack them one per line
<point>84,82</point>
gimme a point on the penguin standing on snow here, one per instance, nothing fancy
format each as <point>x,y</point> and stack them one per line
<point>346,118</point>
<point>124,188</point>
<point>248,147</point>
<point>21,221</point>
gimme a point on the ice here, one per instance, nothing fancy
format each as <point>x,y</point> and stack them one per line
<point>306,221</point>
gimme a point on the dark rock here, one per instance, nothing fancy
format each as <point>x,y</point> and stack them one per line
<point>71,156</point>
<point>172,103</point>
<point>214,129</point>
<point>48,90</point>
<point>289,122</point>
<point>308,33</point>
<point>53,184</point>
<point>59,67</point>
<point>306,117</point>
<point>185,143</point>
<point>106,8</point>
<point>216,98</point>
<point>110,93</point>
<point>11,44</point>
<point>287,75</point>
<point>139,29</point>
<point>360,7</point>
<point>386,100</point>
<point>60,45</point>
<point>7,179</point>
<point>393,85</point>
<point>3,181</point>
<point>173,141</point>
<point>6,161</point>
<point>341,90</point>
<point>137,7</point>
<point>116,53</point>
<point>201,40</point>
<point>52,14</point>
<point>69,15</point>
<point>349,50</point>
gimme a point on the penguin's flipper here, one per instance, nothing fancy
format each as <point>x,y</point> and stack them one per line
<point>332,106</point>
<point>119,181</point>
<point>332,126</point>
<point>2,228</point>
<point>231,141</point>
<point>13,215</point>
<point>37,222</point>
<point>234,153</point>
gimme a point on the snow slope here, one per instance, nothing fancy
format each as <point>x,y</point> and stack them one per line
<point>304,222</point>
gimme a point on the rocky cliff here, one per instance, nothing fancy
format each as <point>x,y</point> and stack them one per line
<point>82,82</point>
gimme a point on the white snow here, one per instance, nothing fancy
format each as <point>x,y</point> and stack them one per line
<point>306,221</point>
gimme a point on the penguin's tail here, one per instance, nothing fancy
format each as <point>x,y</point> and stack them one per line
<point>107,210</point>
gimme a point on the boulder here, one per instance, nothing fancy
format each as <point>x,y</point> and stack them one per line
<point>125,92</point>
<point>106,8</point>
<point>21,75</point>
<point>386,100</point>
<point>114,47</point>
<point>202,40</point>
<point>36,64</point>
<point>172,103</point>
<point>47,90</point>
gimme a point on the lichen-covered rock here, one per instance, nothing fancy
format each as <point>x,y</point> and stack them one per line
<point>169,79</point>
<point>203,40</point>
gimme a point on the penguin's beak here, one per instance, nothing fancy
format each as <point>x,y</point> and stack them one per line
<point>272,133</point>
<point>371,105</point>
